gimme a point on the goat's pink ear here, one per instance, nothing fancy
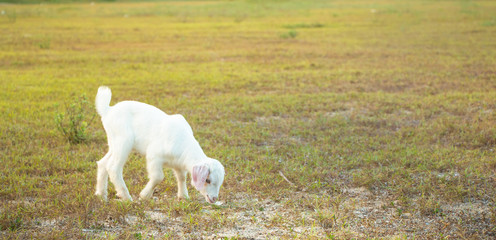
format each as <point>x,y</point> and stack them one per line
<point>200,175</point>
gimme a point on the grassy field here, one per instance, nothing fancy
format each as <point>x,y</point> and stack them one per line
<point>334,119</point>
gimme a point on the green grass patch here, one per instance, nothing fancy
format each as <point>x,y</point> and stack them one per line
<point>340,119</point>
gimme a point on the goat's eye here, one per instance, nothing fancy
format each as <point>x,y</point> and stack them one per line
<point>207,181</point>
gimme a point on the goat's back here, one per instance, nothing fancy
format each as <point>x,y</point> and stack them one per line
<point>147,126</point>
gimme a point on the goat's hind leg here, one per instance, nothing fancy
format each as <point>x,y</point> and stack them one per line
<point>102,177</point>
<point>115,167</point>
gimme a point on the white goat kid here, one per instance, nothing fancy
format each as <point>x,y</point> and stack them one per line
<point>164,140</point>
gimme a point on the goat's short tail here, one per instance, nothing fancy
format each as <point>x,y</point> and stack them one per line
<point>102,100</point>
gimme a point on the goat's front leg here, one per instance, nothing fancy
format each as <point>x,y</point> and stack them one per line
<point>155,174</point>
<point>182,190</point>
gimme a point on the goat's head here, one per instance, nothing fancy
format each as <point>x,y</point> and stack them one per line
<point>207,179</point>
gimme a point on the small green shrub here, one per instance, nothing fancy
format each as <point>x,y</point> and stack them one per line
<point>74,122</point>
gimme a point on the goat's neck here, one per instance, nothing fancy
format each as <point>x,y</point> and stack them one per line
<point>194,157</point>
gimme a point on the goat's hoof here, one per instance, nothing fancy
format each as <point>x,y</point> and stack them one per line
<point>103,197</point>
<point>125,199</point>
<point>182,198</point>
<point>143,196</point>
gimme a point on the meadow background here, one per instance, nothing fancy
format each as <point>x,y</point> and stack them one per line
<point>334,119</point>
